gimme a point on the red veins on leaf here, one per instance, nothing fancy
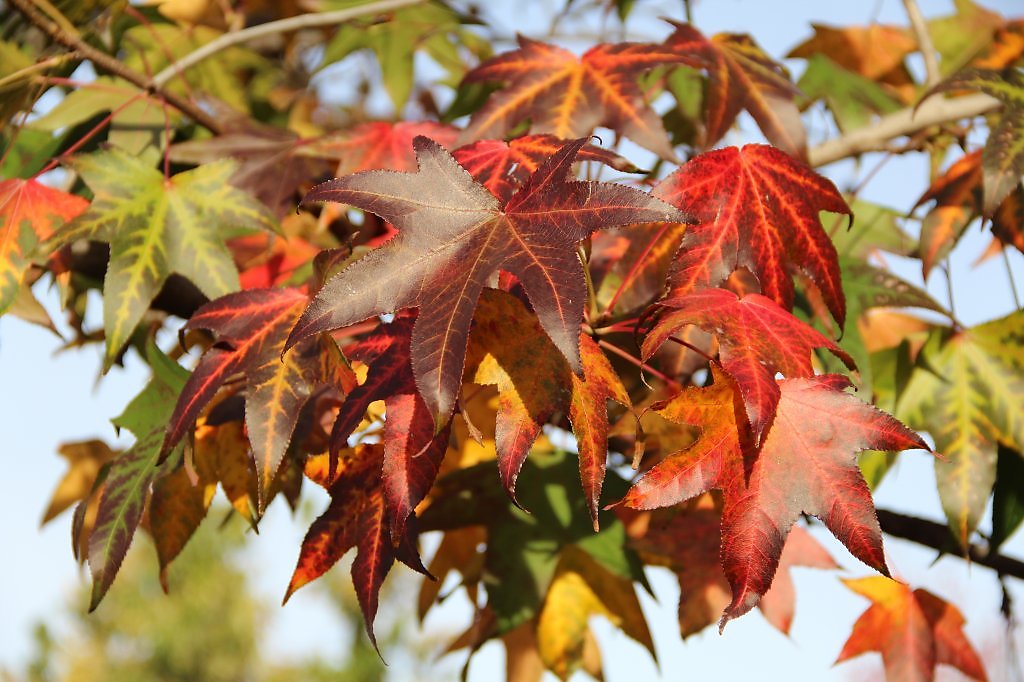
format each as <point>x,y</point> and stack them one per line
<point>806,465</point>
<point>502,166</point>
<point>454,235</point>
<point>356,517</point>
<point>510,350</point>
<point>412,451</point>
<point>250,329</point>
<point>689,543</point>
<point>756,208</point>
<point>913,630</point>
<point>569,96</point>
<point>741,76</point>
<point>756,339</point>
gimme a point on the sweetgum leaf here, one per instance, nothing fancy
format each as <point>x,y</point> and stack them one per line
<point>251,328</point>
<point>689,541</point>
<point>502,166</point>
<point>756,208</point>
<point>412,450</point>
<point>355,518</point>
<point>853,99</point>
<point>29,214</point>
<point>580,589</point>
<point>1002,160</point>
<point>156,227</point>
<point>84,458</point>
<point>523,549</point>
<point>380,145</point>
<point>568,96</point>
<point>741,76</point>
<point>756,339</point>
<point>510,350</point>
<point>875,52</point>
<point>914,630</point>
<point>127,482</point>
<point>454,235</point>
<point>806,465</point>
<point>957,194</point>
<point>176,508</point>
<point>965,391</point>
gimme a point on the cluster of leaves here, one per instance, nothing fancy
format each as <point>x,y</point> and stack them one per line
<point>467,295</point>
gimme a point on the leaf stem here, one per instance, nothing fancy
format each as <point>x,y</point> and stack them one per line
<point>612,348</point>
<point>43,65</point>
<point>311,20</point>
<point>924,42</point>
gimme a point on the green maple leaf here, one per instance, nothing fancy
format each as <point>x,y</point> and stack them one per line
<point>966,393</point>
<point>157,226</point>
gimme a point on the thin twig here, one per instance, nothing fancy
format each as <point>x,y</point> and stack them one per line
<point>612,348</point>
<point>45,64</point>
<point>105,62</point>
<point>1009,274</point>
<point>313,20</point>
<point>924,42</point>
<point>880,135</point>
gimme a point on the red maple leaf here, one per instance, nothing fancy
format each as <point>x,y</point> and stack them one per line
<point>688,542</point>
<point>29,213</point>
<point>356,517</point>
<point>957,194</point>
<point>806,465</point>
<point>454,235</point>
<point>756,339</point>
<point>412,451</point>
<point>913,630</point>
<point>380,145</point>
<point>250,328</point>
<point>741,76</point>
<point>569,96</point>
<point>756,208</point>
<point>502,166</point>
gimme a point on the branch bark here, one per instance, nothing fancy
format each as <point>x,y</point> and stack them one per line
<point>157,84</point>
<point>937,536</point>
<point>105,62</point>
<point>288,25</point>
<point>879,136</point>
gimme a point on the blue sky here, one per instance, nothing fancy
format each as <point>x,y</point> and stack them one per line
<point>48,399</point>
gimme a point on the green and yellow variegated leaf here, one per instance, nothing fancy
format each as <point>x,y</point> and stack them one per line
<point>126,487</point>
<point>156,227</point>
<point>137,119</point>
<point>966,392</point>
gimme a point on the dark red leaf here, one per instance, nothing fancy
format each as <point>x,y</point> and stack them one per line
<point>454,236</point>
<point>756,208</point>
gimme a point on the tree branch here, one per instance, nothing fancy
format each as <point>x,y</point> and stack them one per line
<point>924,42</point>
<point>938,537</point>
<point>104,61</point>
<point>288,25</point>
<point>880,135</point>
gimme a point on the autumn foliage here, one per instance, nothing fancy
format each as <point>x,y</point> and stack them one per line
<point>488,321</point>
